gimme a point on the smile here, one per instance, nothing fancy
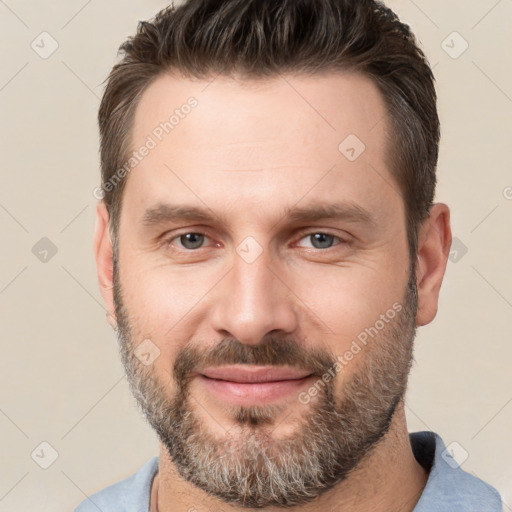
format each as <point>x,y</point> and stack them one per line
<point>252,385</point>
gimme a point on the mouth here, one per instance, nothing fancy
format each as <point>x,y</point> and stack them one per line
<point>253,385</point>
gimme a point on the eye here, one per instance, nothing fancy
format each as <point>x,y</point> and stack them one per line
<point>192,241</point>
<point>189,241</point>
<point>321,240</point>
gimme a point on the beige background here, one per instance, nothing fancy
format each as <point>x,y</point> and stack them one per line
<point>60,377</point>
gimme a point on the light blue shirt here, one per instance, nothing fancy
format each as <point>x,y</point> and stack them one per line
<point>448,489</point>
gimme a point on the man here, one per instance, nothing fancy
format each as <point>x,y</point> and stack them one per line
<point>266,246</point>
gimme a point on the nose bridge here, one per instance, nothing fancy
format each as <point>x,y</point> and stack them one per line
<point>252,301</point>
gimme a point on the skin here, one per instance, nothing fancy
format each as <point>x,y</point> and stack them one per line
<point>248,151</point>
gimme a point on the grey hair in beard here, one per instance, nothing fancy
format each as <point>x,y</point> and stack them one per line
<point>249,467</point>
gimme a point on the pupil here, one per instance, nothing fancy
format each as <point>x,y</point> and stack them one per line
<point>322,239</point>
<point>192,240</point>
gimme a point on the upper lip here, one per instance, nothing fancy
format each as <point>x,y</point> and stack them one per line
<point>254,374</point>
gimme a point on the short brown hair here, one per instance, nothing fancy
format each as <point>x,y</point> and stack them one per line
<point>263,38</point>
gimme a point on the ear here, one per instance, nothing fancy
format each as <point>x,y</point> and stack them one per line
<point>104,261</point>
<point>434,241</point>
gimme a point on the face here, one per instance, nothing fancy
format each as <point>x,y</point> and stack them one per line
<point>263,290</point>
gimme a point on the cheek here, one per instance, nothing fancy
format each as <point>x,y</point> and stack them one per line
<point>348,300</point>
<point>163,302</point>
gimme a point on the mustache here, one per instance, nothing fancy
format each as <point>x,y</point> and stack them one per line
<point>273,351</point>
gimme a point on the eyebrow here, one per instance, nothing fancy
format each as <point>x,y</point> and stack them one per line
<point>166,213</point>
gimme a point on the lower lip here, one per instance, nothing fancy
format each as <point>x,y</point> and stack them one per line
<point>241,393</point>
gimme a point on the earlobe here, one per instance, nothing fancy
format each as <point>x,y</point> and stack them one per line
<point>104,261</point>
<point>434,241</point>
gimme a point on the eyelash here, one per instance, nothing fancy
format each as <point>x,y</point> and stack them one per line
<point>168,242</point>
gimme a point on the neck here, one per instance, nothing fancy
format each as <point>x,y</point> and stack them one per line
<point>389,479</point>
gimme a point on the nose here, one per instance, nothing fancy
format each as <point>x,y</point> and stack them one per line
<point>252,301</point>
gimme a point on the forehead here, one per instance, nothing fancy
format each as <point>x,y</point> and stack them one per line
<point>309,111</point>
<point>225,136</point>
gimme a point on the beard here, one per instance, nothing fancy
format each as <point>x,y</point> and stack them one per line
<point>247,466</point>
